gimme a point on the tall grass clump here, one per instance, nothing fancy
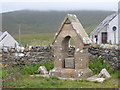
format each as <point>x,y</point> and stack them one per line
<point>97,64</point>
<point>32,69</point>
<point>3,73</point>
<point>18,71</point>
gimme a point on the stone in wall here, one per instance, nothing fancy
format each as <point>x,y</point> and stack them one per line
<point>110,55</point>
<point>32,55</point>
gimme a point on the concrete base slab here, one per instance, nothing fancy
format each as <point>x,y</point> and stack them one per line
<point>71,73</point>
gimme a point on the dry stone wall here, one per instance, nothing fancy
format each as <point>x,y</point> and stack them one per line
<point>110,55</point>
<point>33,55</point>
<point>39,54</point>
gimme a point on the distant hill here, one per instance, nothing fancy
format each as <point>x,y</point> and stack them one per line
<point>48,21</point>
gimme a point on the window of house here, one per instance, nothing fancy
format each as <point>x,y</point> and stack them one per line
<point>114,28</point>
<point>104,37</point>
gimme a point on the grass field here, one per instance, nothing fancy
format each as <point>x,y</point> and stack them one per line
<point>40,82</point>
<point>22,79</point>
<point>33,21</point>
<point>36,39</point>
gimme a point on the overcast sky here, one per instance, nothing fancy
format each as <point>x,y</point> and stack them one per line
<point>12,5</point>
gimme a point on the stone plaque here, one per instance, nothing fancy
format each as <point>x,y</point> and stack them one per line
<point>69,63</point>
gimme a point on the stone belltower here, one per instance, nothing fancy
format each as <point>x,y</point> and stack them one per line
<point>76,65</point>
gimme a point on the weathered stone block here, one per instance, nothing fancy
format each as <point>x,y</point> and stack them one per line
<point>96,79</point>
<point>104,73</point>
<point>42,70</point>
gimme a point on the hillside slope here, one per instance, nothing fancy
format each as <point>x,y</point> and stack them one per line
<point>48,21</point>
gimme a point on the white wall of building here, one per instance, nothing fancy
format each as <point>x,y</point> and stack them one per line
<point>113,35</point>
<point>7,40</point>
<point>119,27</point>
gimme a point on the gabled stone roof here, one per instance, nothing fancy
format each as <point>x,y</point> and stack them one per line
<point>76,26</point>
<point>106,21</point>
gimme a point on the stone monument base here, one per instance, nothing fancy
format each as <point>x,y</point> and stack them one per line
<point>71,73</point>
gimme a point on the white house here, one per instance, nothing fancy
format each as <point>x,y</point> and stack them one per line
<point>106,31</point>
<point>7,40</point>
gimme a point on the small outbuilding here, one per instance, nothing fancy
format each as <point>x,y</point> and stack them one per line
<point>106,31</point>
<point>7,40</point>
<point>75,65</point>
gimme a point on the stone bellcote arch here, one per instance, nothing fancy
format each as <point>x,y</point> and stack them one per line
<point>75,66</point>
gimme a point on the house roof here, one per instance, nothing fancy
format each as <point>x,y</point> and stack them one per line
<point>76,26</point>
<point>106,21</point>
<point>1,33</point>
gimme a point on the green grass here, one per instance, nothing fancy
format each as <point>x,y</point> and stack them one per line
<point>25,69</point>
<point>97,64</point>
<point>35,39</point>
<point>32,69</point>
<point>23,80</point>
<point>39,82</point>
